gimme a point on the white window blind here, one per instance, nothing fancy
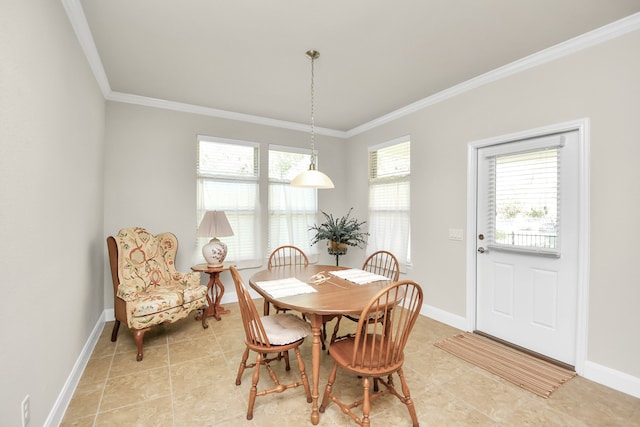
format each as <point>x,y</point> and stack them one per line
<point>292,210</point>
<point>524,202</point>
<point>228,180</point>
<point>389,199</point>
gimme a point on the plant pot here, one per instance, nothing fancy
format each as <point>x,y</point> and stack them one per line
<point>335,248</point>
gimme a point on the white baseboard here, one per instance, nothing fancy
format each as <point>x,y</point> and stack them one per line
<point>613,379</point>
<point>62,402</point>
<point>445,317</point>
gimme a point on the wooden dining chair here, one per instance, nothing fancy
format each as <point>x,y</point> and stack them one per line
<point>269,337</point>
<point>383,263</point>
<point>377,350</point>
<point>285,255</point>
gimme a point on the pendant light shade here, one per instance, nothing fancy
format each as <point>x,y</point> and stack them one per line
<point>312,178</point>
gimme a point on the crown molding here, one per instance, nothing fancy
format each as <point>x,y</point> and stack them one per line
<point>83,33</point>
<point>584,41</point>
<point>222,114</point>
<point>79,23</point>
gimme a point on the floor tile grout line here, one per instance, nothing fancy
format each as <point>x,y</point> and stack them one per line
<point>104,385</point>
<point>173,409</point>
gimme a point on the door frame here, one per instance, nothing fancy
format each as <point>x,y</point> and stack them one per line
<point>582,126</point>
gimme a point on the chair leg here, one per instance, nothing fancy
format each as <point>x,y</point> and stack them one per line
<point>287,366</point>
<point>265,308</point>
<point>323,335</point>
<point>114,332</point>
<point>335,331</point>
<point>366,402</point>
<point>254,386</point>
<point>138,336</point>
<point>303,375</point>
<point>327,390</point>
<point>243,365</point>
<point>407,399</point>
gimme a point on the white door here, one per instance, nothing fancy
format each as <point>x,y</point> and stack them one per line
<point>527,243</point>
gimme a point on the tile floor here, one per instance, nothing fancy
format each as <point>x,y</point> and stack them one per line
<point>187,378</point>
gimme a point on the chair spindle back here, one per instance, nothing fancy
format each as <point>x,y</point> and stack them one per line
<point>383,263</point>
<point>287,255</point>
<point>380,345</point>
<point>255,334</point>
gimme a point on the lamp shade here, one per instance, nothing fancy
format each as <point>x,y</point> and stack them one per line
<point>214,224</point>
<point>312,179</point>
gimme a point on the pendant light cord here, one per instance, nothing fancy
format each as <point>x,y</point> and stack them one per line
<point>313,55</point>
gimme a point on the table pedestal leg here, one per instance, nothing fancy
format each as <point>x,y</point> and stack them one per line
<point>316,325</point>
<point>215,290</point>
<point>217,308</point>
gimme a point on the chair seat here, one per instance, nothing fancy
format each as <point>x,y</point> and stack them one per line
<point>342,352</point>
<point>283,329</point>
<point>164,298</point>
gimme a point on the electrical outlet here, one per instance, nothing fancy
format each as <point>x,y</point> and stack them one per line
<point>26,411</point>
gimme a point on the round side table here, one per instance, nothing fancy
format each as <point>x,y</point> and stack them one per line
<point>215,291</point>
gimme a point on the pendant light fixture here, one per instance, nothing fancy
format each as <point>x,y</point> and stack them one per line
<point>312,178</point>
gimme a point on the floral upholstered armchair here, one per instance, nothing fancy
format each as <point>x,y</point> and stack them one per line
<point>147,288</point>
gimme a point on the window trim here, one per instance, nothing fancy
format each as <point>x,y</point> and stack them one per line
<point>405,260</point>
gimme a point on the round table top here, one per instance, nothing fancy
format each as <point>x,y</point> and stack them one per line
<point>333,296</point>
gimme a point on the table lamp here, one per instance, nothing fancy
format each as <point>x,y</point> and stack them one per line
<point>214,224</point>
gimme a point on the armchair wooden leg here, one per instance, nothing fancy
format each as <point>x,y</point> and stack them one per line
<point>138,336</point>
<point>114,332</point>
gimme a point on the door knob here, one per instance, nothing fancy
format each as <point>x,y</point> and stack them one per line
<point>481,250</point>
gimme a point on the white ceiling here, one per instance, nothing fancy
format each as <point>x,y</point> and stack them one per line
<point>248,57</point>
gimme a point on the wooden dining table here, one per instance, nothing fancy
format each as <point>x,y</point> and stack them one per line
<point>334,296</point>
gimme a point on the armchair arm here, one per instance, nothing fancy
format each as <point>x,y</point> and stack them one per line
<point>129,291</point>
<point>187,279</point>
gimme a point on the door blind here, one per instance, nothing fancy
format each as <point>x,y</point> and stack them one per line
<point>524,202</point>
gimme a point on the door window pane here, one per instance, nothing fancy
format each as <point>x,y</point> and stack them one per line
<point>525,199</point>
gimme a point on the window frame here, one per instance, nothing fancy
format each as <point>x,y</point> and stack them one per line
<point>251,230</point>
<point>272,183</point>
<point>390,239</point>
<point>262,211</point>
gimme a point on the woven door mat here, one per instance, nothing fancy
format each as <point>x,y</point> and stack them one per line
<point>524,370</point>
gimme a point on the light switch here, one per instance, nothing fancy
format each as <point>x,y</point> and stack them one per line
<point>456,234</point>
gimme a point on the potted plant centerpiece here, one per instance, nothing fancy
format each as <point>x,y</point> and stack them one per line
<point>340,233</point>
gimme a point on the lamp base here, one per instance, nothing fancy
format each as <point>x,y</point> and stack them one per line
<point>214,252</point>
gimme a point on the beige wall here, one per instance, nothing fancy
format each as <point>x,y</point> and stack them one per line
<point>601,83</point>
<point>151,172</point>
<point>51,205</point>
